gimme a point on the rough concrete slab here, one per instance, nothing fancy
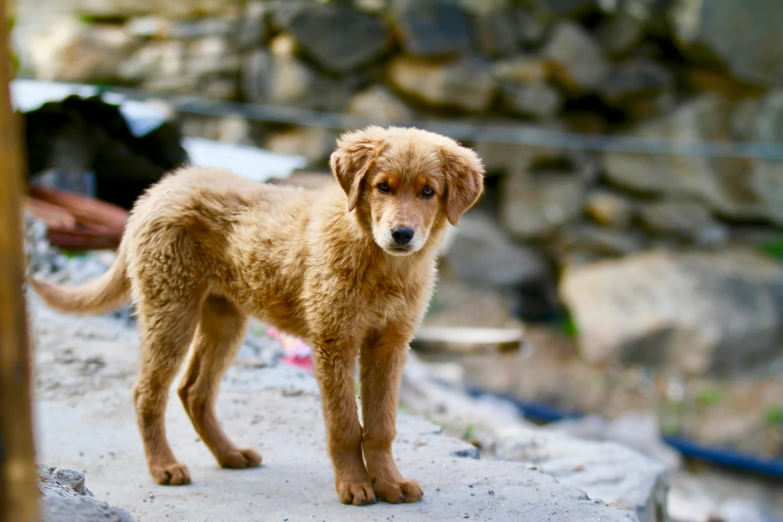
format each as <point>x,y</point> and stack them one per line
<point>85,370</point>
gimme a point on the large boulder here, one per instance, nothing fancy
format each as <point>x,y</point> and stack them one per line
<point>466,83</point>
<point>696,313</point>
<point>431,27</point>
<point>736,188</point>
<point>337,37</point>
<point>746,40</point>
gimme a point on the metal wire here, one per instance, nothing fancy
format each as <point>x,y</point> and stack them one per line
<point>522,135</point>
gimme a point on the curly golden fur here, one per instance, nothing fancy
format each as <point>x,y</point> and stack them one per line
<point>349,269</point>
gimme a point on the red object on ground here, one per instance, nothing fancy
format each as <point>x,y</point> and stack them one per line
<point>75,221</point>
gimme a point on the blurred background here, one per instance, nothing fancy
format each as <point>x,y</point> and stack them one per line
<point>626,261</point>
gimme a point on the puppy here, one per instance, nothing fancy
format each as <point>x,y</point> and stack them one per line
<point>349,269</point>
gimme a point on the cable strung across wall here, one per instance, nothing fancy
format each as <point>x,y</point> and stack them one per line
<point>523,134</point>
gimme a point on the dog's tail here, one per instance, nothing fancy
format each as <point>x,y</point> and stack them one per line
<point>110,291</point>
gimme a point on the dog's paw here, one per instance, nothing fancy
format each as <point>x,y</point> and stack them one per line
<point>241,458</point>
<point>396,492</point>
<point>358,494</point>
<point>175,474</point>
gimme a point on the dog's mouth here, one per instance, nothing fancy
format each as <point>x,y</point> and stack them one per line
<point>399,250</point>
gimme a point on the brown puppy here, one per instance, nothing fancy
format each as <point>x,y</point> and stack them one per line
<point>350,269</point>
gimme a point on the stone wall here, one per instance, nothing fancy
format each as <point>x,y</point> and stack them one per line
<point>673,69</point>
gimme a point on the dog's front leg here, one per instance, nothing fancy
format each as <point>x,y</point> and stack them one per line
<point>334,367</point>
<point>381,363</point>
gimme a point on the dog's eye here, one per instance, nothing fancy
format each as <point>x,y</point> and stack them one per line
<point>427,192</point>
<point>384,187</point>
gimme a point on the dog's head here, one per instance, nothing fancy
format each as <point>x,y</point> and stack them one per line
<point>406,183</point>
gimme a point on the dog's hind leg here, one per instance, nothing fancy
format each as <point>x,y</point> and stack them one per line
<point>166,333</point>
<point>219,335</point>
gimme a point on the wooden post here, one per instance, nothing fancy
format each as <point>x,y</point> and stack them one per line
<point>18,489</point>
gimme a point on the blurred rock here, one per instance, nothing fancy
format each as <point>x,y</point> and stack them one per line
<point>253,25</point>
<point>595,242</point>
<point>337,37</point>
<point>72,51</point>
<point>171,8</point>
<point>211,56</point>
<point>634,429</point>
<point>64,498</point>
<point>696,313</point>
<point>155,61</point>
<point>148,27</point>
<point>532,27</point>
<point>724,30</point>
<point>314,143</point>
<point>431,27</point>
<point>537,204</point>
<point>199,28</point>
<point>621,33</point>
<point>741,510</point>
<point>566,7</point>
<point>689,501</point>
<point>481,253</point>
<point>604,470</point>
<point>521,70</point>
<point>765,116</point>
<point>638,83</point>
<point>278,77</point>
<point>609,209</point>
<point>576,59</point>
<point>466,83</point>
<point>378,102</point>
<point>537,100</point>
<point>498,32</point>
<point>524,90</point>
<point>685,219</point>
<point>652,13</point>
<point>737,188</point>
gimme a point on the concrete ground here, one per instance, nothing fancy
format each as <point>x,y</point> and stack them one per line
<point>85,368</point>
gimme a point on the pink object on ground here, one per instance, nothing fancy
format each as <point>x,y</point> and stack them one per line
<point>297,353</point>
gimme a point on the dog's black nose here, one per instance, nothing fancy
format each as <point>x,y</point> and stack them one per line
<point>402,235</point>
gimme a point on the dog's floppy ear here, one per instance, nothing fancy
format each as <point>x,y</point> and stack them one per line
<point>464,179</point>
<point>356,152</point>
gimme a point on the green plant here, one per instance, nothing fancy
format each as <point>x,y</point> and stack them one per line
<point>773,248</point>
<point>709,396</point>
<point>569,327</point>
<point>468,432</point>
<point>773,416</point>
